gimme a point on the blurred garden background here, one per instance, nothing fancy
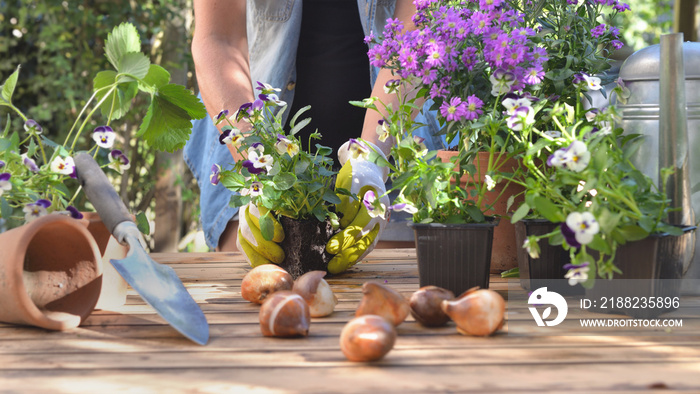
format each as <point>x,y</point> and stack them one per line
<point>59,47</point>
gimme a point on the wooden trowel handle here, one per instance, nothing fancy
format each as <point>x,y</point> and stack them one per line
<point>100,192</point>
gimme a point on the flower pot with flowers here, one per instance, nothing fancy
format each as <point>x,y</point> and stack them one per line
<point>37,175</point>
<point>296,211</point>
<point>605,209</point>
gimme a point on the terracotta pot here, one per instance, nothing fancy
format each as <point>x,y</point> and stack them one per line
<point>113,294</point>
<point>505,251</point>
<point>50,273</point>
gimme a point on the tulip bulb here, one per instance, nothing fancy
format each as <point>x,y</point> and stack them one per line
<point>426,305</point>
<point>367,338</point>
<point>476,312</point>
<point>317,293</point>
<point>284,314</point>
<point>384,301</point>
<point>264,280</point>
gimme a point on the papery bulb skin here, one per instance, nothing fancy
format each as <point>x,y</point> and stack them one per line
<point>317,293</point>
<point>264,280</point>
<point>367,338</point>
<point>476,312</point>
<point>284,314</point>
<point>382,300</point>
<point>426,304</point>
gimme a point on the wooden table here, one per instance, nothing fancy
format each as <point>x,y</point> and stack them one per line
<point>132,348</point>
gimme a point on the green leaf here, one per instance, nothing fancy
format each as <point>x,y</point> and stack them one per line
<point>168,121</point>
<point>475,213</point>
<point>293,121</point>
<point>267,226</point>
<point>120,101</point>
<point>319,213</point>
<point>632,232</point>
<point>5,209</point>
<point>313,186</point>
<point>599,244</point>
<point>157,77</point>
<point>520,213</point>
<point>323,150</point>
<point>297,127</point>
<point>330,197</point>
<point>133,66</point>
<point>122,40</point>
<point>511,273</point>
<point>8,88</point>
<point>548,210</point>
<point>284,181</point>
<point>238,201</point>
<point>142,223</point>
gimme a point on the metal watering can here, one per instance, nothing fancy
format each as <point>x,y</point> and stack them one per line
<point>664,106</point>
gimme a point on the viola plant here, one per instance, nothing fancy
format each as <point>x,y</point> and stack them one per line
<point>589,186</point>
<point>277,175</point>
<point>37,174</point>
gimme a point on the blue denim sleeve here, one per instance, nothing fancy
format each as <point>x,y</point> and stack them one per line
<point>201,152</point>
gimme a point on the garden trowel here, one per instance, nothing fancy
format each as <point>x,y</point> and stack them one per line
<point>156,283</point>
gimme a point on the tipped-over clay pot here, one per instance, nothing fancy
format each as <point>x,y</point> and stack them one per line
<point>50,273</point>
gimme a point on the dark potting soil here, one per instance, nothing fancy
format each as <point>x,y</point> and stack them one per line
<point>304,245</point>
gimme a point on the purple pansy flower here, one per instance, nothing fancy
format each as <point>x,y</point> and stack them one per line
<point>74,212</point>
<point>215,177</point>
<point>104,137</point>
<point>36,209</point>
<point>31,126</point>
<point>118,161</point>
<point>5,184</point>
<point>29,163</point>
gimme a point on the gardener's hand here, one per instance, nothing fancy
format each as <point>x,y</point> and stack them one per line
<point>361,221</point>
<point>250,240</point>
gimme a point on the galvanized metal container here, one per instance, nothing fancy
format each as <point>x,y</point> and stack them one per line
<point>649,104</point>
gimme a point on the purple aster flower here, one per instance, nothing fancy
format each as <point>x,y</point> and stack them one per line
<point>598,30</point>
<point>621,7</point>
<point>31,126</point>
<point>436,54</point>
<point>74,212</point>
<point>473,107</point>
<point>617,44</point>
<point>455,109</point>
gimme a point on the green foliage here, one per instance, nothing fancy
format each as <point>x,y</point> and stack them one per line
<point>60,46</point>
<point>277,174</point>
<point>44,168</point>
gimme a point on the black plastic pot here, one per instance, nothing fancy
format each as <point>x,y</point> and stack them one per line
<point>652,267</point>
<point>455,257</point>
<point>547,270</point>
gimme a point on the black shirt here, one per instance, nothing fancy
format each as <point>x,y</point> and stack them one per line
<point>332,69</point>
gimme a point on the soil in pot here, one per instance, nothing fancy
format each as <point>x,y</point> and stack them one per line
<point>304,245</point>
